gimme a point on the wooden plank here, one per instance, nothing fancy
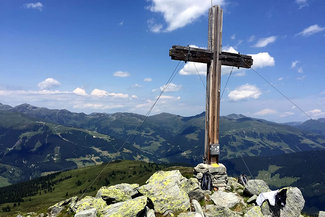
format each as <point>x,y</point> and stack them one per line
<point>206,56</point>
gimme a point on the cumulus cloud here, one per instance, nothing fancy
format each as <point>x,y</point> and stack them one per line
<point>302,3</point>
<point>263,42</point>
<point>245,91</point>
<point>79,91</point>
<point>316,113</point>
<point>263,59</point>
<point>153,26</point>
<point>147,79</point>
<point>48,83</point>
<point>121,74</point>
<point>191,68</point>
<point>179,13</point>
<point>37,5</point>
<point>102,93</point>
<point>265,112</point>
<point>311,30</point>
<point>171,87</point>
<point>294,64</point>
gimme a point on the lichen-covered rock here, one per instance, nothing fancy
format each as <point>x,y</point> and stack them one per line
<point>89,203</point>
<point>234,185</point>
<point>117,193</point>
<point>87,213</point>
<point>215,211</point>
<point>294,203</point>
<point>225,199</point>
<point>58,207</point>
<point>188,214</point>
<point>197,194</point>
<point>197,207</point>
<point>189,185</point>
<point>129,208</point>
<point>256,186</point>
<point>252,199</point>
<point>201,168</point>
<point>150,212</point>
<point>165,191</point>
<point>255,211</point>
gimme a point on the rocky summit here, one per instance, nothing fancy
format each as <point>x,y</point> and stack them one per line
<point>168,193</point>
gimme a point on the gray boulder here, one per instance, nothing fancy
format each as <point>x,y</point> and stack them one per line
<point>129,208</point>
<point>201,168</point>
<point>256,186</point>
<point>87,213</point>
<point>255,211</point>
<point>197,194</point>
<point>166,192</point>
<point>225,199</point>
<point>215,211</point>
<point>197,207</point>
<point>117,193</point>
<point>56,209</point>
<point>294,204</point>
<point>252,199</point>
<point>293,207</point>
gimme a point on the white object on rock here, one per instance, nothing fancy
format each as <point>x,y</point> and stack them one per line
<point>270,196</point>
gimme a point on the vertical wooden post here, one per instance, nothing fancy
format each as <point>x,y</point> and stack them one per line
<point>212,115</point>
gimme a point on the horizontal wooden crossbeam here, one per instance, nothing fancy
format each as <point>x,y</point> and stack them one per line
<point>205,56</point>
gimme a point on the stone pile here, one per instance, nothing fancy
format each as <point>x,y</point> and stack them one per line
<point>168,193</point>
<point>218,174</point>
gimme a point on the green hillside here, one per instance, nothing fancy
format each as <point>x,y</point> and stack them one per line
<point>36,141</point>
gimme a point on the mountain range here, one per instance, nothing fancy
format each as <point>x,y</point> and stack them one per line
<point>35,141</point>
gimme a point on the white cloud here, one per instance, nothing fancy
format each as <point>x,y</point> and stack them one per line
<point>300,70</point>
<point>31,92</point>
<point>233,37</point>
<point>313,29</point>
<point>121,74</point>
<point>191,68</point>
<point>102,93</point>
<point>37,5</point>
<point>171,87</point>
<point>261,60</point>
<point>263,42</point>
<point>266,111</point>
<point>147,79</point>
<point>118,95</point>
<point>294,64</point>
<point>99,93</point>
<point>302,3</point>
<point>286,114</point>
<point>48,83</point>
<point>96,106</point>
<point>245,92</point>
<point>153,26</point>
<point>136,85</point>
<point>179,13</point>
<point>316,113</point>
<point>79,91</point>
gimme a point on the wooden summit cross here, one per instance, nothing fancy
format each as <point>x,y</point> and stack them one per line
<point>214,58</point>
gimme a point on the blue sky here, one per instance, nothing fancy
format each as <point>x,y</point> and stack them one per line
<point>112,55</point>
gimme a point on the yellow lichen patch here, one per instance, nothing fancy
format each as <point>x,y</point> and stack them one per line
<point>90,202</point>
